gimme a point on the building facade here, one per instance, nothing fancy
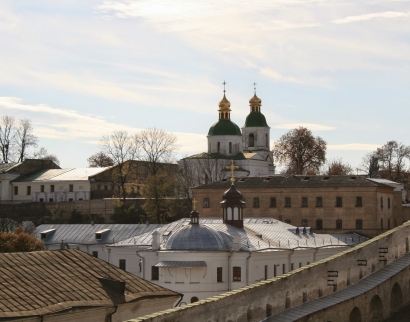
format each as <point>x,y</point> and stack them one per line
<point>249,147</point>
<point>326,203</point>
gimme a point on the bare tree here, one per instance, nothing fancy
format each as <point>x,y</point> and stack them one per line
<point>370,165</point>
<point>391,157</point>
<point>299,151</point>
<point>100,160</point>
<point>24,139</point>
<point>43,154</point>
<point>6,136</point>
<point>338,167</point>
<point>157,147</point>
<point>121,149</point>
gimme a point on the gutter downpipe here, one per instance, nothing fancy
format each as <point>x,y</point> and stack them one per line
<point>182,296</point>
<point>229,270</point>
<point>289,259</point>
<point>143,265</point>
<point>110,316</point>
<point>247,268</point>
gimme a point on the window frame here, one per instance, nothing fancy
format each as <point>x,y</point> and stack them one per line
<point>122,264</point>
<point>28,192</point>
<point>236,274</point>
<point>339,202</point>
<point>339,224</point>
<point>154,273</point>
<point>219,276</point>
<point>359,201</point>
<point>288,202</point>
<point>317,224</point>
<point>319,202</point>
<point>206,203</point>
<point>272,202</point>
<point>359,224</point>
<point>256,202</point>
<point>304,202</point>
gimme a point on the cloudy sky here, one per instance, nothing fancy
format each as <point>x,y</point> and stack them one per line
<point>81,69</point>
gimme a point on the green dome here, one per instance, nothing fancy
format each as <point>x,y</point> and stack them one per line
<point>224,127</point>
<point>256,119</point>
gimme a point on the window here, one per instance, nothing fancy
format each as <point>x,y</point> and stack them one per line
<point>266,140</point>
<point>236,274</point>
<point>381,202</point>
<point>283,268</point>
<point>291,266</point>
<point>206,202</point>
<point>122,264</point>
<point>70,199</point>
<point>319,224</point>
<point>251,140</point>
<point>304,223</point>
<point>266,272</point>
<point>319,202</point>
<point>42,188</point>
<point>359,224</point>
<point>388,203</point>
<point>95,254</point>
<point>71,188</point>
<point>359,202</point>
<point>274,270</point>
<point>219,147</point>
<point>28,190</point>
<point>41,199</point>
<point>255,202</point>
<point>98,187</point>
<point>339,224</point>
<point>50,199</point>
<point>304,201</point>
<point>230,147</point>
<point>339,202</point>
<point>154,273</point>
<point>16,190</point>
<point>300,265</point>
<point>287,221</point>
<point>52,188</point>
<point>219,274</point>
<point>273,202</point>
<point>287,202</point>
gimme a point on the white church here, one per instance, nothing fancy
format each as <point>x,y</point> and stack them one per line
<point>249,147</point>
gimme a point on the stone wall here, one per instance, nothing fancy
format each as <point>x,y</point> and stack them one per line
<point>256,302</point>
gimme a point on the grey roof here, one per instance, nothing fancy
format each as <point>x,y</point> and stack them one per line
<point>4,167</point>
<point>70,174</point>
<point>293,181</point>
<point>187,264</point>
<point>85,233</point>
<point>258,234</point>
<point>360,287</point>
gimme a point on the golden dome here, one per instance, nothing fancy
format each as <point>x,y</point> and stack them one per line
<point>224,104</point>
<point>255,101</point>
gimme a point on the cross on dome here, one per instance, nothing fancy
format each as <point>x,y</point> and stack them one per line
<point>232,167</point>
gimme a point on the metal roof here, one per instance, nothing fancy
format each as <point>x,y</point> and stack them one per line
<point>39,283</point>
<point>71,174</point>
<point>360,287</point>
<point>186,264</point>
<point>258,234</point>
<point>85,233</point>
<point>293,181</point>
<point>4,167</point>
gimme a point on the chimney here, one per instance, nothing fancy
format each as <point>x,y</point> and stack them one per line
<point>236,242</point>
<point>156,239</point>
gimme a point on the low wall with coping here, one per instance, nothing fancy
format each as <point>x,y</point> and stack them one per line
<point>260,300</point>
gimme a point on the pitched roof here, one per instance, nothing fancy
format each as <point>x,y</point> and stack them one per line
<point>85,233</point>
<point>4,167</point>
<point>44,282</point>
<point>70,174</point>
<point>258,234</point>
<point>296,181</point>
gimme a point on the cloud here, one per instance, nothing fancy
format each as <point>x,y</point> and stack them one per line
<point>371,16</point>
<point>310,126</point>
<point>353,146</point>
<point>269,73</point>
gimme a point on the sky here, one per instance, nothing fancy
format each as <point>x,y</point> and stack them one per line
<point>83,69</point>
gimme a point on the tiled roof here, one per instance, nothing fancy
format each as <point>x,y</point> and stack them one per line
<point>258,234</point>
<point>70,174</point>
<point>293,181</point>
<point>4,167</point>
<point>85,233</point>
<point>44,282</point>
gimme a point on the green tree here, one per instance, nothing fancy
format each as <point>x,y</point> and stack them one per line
<point>19,241</point>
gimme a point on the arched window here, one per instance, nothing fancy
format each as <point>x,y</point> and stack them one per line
<point>230,147</point>
<point>219,147</point>
<point>251,140</point>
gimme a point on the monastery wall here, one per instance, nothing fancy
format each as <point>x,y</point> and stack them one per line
<point>260,300</point>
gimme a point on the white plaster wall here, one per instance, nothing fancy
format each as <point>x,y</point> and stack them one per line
<point>224,141</point>
<point>260,138</point>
